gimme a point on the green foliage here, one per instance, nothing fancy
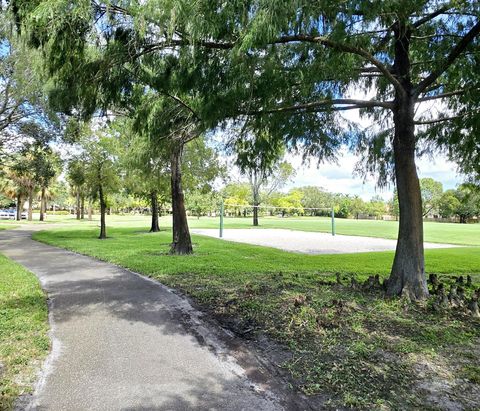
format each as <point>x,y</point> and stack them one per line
<point>469,199</point>
<point>201,167</point>
<point>23,104</point>
<point>431,191</point>
<point>240,58</point>
<point>199,203</point>
<point>101,171</point>
<point>290,203</point>
<point>448,204</point>
<point>144,160</point>
<point>316,197</point>
<point>76,172</point>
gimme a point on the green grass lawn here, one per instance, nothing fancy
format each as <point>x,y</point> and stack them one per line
<point>6,226</point>
<point>350,343</point>
<point>462,234</point>
<point>148,253</point>
<point>23,331</point>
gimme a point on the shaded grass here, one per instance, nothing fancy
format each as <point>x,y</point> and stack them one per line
<point>353,344</point>
<point>23,331</point>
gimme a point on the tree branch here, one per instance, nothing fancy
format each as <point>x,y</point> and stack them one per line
<point>431,16</point>
<point>182,103</point>
<point>346,104</point>
<point>441,95</point>
<point>348,49</point>
<point>443,119</point>
<point>449,60</point>
<point>325,41</point>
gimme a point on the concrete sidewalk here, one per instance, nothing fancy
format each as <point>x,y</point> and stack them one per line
<point>123,342</point>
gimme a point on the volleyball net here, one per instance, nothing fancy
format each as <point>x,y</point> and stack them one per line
<point>257,212</point>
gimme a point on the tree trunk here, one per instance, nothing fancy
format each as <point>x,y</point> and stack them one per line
<point>78,203</point>
<point>182,243</point>
<point>154,228</point>
<point>90,211</point>
<point>30,205</point>
<point>408,270</point>
<point>256,202</point>
<point>19,208</point>
<point>103,208</point>
<point>82,207</point>
<point>255,214</point>
<point>42,205</point>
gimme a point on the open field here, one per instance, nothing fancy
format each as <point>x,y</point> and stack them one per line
<point>365,351</point>
<point>450,233</point>
<point>135,248</point>
<point>23,331</point>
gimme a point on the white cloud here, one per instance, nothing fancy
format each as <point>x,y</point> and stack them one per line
<point>339,177</point>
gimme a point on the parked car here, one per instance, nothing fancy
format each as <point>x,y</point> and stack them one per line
<point>11,214</point>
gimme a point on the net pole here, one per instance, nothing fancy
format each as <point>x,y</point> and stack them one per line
<point>221,218</point>
<point>333,222</point>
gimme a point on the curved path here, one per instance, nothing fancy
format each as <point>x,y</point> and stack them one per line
<point>123,342</point>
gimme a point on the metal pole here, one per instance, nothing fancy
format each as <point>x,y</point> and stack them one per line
<point>221,219</point>
<point>333,221</point>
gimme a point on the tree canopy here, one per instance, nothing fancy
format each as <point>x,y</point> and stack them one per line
<point>290,69</point>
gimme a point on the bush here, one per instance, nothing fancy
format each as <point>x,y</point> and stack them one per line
<point>58,212</point>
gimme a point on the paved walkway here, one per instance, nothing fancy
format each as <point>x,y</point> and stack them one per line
<point>307,242</point>
<point>123,342</point>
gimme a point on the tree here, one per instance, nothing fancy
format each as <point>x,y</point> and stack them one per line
<point>448,204</point>
<point>22,96</point>
<point>22,172</point>
<point>58,195</point>
<point>101,173</point>
<point>357,206</point>
<point>200,203</point>
<point>13,185</point>
<point>260,159</point>
<point>108,74</point>
<point>431,192</point>
<point>236,197</point>
<point>202,167</point>
<point>172,124</point>
<point>376,207</point>
<point>76,176</point>
<point>290,203</point>
<point>146,166</point>
<point>393,205</point>
<point>314,198</point>
<point>289,68</point>
<point>410,51</point>
<point>46,165</point>
<point>468,197</point>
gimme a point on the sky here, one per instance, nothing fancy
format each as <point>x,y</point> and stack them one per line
<point>339,178</point>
